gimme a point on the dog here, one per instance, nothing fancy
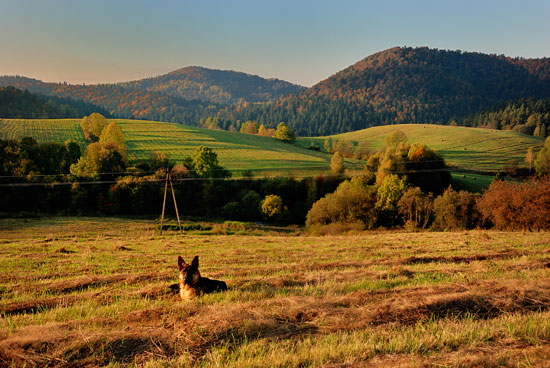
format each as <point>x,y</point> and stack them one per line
<point>192,284</point>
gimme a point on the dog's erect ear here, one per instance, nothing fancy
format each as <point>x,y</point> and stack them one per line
<point>181,262</point>
<point>195,262</point>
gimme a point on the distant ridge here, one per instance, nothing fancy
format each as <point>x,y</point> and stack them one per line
<point>182,96</point>
<point>405,85</point>
<point>219,86</point>
<point>395,86</point>
<point>17,104</point>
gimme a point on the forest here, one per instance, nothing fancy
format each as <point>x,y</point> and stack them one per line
<point>398,85</point>
<point>17,104</point>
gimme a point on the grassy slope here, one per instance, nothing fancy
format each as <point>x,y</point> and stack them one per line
<point>236,151</point>
<point>94,292</point>
<point>43,130</point>
<point>470,148</point>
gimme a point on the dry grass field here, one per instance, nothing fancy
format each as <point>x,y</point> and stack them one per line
<point>94,292</point>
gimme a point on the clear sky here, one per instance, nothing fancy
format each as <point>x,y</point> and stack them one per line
<point>95,41</point>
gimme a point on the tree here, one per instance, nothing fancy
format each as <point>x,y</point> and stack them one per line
<point>92,126</point>
<point>250,127</point>
<point>455,210</point>
<point>530,158</point>
<point>337,164</point>
<point>112,135</point>
<point>159,160</point>
<point>426,169</point>
<point>272,205</point>
<point>416,207</point>
<point>262,130</point>
<point>284,133</point>
<point>204,162</point>
<point>517,206</point>
<point>389,193</point>
<point>351,203</point>
<point>395,138</point>
<point>99,158</point>
<point>542,163</point>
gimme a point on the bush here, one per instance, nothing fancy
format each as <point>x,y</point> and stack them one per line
<point>515,206</point>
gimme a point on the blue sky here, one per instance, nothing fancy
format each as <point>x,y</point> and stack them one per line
<point>85,41</point>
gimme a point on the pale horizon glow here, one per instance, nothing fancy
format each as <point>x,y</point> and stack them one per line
<point>302,42</point>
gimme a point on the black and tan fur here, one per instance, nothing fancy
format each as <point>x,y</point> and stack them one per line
<point>192,283</point>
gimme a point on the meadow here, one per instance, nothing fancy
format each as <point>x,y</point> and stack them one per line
<point>94,292</point>
<point>237,152</point>
<point>43,130</point>
<point>474,149</point>
<point>470,151</point>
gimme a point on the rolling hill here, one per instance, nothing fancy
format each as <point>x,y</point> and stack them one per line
<point>396,86</point>
<point>404,85</point>
<point>472,151</point>
<point>18,104</point>
<point>217,86</point>
<point>236,151</point>
<point>467,149</point>
<point>183,96</point>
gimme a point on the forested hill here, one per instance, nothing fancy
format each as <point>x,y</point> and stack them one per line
<point>404,85</point>
<point>17,104</point>
<point>399,85</point>
<point>219,86</point>
<point>120,101</point>
<point>183,96</point>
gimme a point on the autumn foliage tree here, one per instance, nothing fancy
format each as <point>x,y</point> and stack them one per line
<point>272,205</point>
<point>517,206</point>
<point>337,164</point>
<point>92,126</point>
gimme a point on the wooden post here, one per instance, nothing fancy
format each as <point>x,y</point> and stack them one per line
<point>175,204</point>
<point>164,202</point>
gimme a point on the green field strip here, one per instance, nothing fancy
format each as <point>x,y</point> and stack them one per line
<point>468,148</point>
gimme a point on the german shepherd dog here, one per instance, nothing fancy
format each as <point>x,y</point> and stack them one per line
<point>191,282</point>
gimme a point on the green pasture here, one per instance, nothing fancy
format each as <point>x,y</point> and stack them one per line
<point>465,149</point>
<point>43,130</point>
<point>236,151</point>
<point>474,149</point>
